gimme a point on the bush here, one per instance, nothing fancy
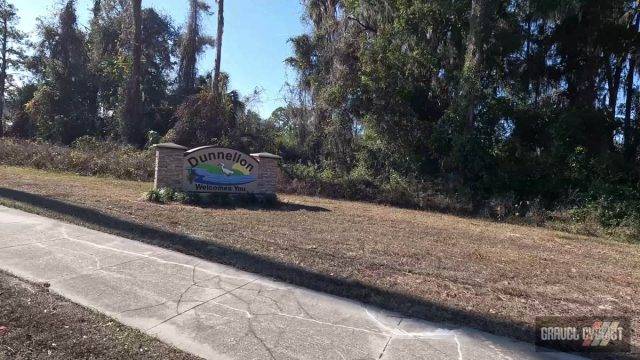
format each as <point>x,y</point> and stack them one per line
<point>153,195</point>
<point>86,156</point>
<point>167,195</point>
<point>219,199</point>
<point>359,185</point>
<point>610,210</point>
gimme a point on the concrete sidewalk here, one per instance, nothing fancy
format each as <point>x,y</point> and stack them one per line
<point>218,312</point>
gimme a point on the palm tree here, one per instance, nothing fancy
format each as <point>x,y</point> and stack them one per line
<point>216,73</point>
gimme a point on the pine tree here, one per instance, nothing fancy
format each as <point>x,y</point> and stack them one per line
<point>11,50</point>
<point>65,105</point>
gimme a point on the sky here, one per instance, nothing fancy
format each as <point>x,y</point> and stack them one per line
<point>254,46</point>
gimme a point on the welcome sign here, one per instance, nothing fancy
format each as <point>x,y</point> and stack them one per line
<point>215,169</point>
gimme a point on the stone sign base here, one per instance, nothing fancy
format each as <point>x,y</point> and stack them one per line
<point>176,168</point>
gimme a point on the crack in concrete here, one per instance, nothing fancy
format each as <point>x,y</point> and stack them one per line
<point>459,347</point>
<point>272,300</point>
<point>498,351</point>
<point>151,257</point>
<point>95,257</point>
<point>198,305</point>
<point>423,341</point>
<point>73,276</point>
<point>252,314</point>
<point>261,293</point>
<point>396,332</point>
<point>303,309</point>
<point>385,348</point>
<point>32,243</point>
<point>252,331</point>
<point>384,330</point>
<point>144,307</point>
<point>193,282</point>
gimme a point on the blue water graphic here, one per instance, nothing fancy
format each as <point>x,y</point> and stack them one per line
<point>204,177</point>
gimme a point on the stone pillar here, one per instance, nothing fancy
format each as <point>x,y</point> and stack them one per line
<point>267,173</point>
<point>169,166</point>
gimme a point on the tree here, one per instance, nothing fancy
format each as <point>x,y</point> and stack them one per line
<point>132,130</point>
<point>208,117</point>
<point>107,43</point>
<point>631,73</point>
<point>159,39</point>
<point>11,50</point>
<point>110,41</point>
<point>193,43</point>
<point>216,73</point>
<point>489,95</point>
<point>473,72</point>
<point>64,106</point>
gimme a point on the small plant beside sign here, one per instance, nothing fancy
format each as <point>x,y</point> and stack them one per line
<point>224,200</point>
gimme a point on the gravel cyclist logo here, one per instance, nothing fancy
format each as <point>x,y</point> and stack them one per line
<point>582,334</point>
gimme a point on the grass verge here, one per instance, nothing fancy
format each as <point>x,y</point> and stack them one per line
<point>36,324</point>
<point>496,277</point>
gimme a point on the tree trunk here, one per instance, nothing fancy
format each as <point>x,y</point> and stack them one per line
<point>627,112</point>
<point>479,22</point>
<point>633,59</point>
<point>133,131</point>
<point>216,73</point>
<point>188,53</point>
<point>613,84</point>
<point>3,71</point>
<point>137,50</point>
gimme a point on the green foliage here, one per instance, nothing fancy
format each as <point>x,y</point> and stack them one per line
<point>614,206</point>
<point>204,118</point>
<point>153,195</point>
<point>64,107</point>
<point>192,44</point>
<point>12,45</point>
<point>221,118</point>
<point>166,195</point>
<point>222,200</point>
<point>506,102</point>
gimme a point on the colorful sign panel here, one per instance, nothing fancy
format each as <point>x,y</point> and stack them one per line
<point>214,169</point>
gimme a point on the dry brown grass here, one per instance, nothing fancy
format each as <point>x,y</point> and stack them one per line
<point>499,272</point>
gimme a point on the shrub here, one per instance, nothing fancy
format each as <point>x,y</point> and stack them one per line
<point>87,156</point>
<point>153,195</point>
<point>219,199</point>
<point>360,185</point>
<point>269,200</point>
<point>167,195</point>
<point>397,191</point>
<point>181,197</point>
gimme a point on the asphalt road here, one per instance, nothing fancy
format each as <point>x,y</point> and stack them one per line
<point>218,312</point>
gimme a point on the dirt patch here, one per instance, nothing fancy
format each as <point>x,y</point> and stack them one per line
<point>36,324</point>
<point>496,277</point>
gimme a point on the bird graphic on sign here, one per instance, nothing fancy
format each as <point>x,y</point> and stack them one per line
<point>225,170</point>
